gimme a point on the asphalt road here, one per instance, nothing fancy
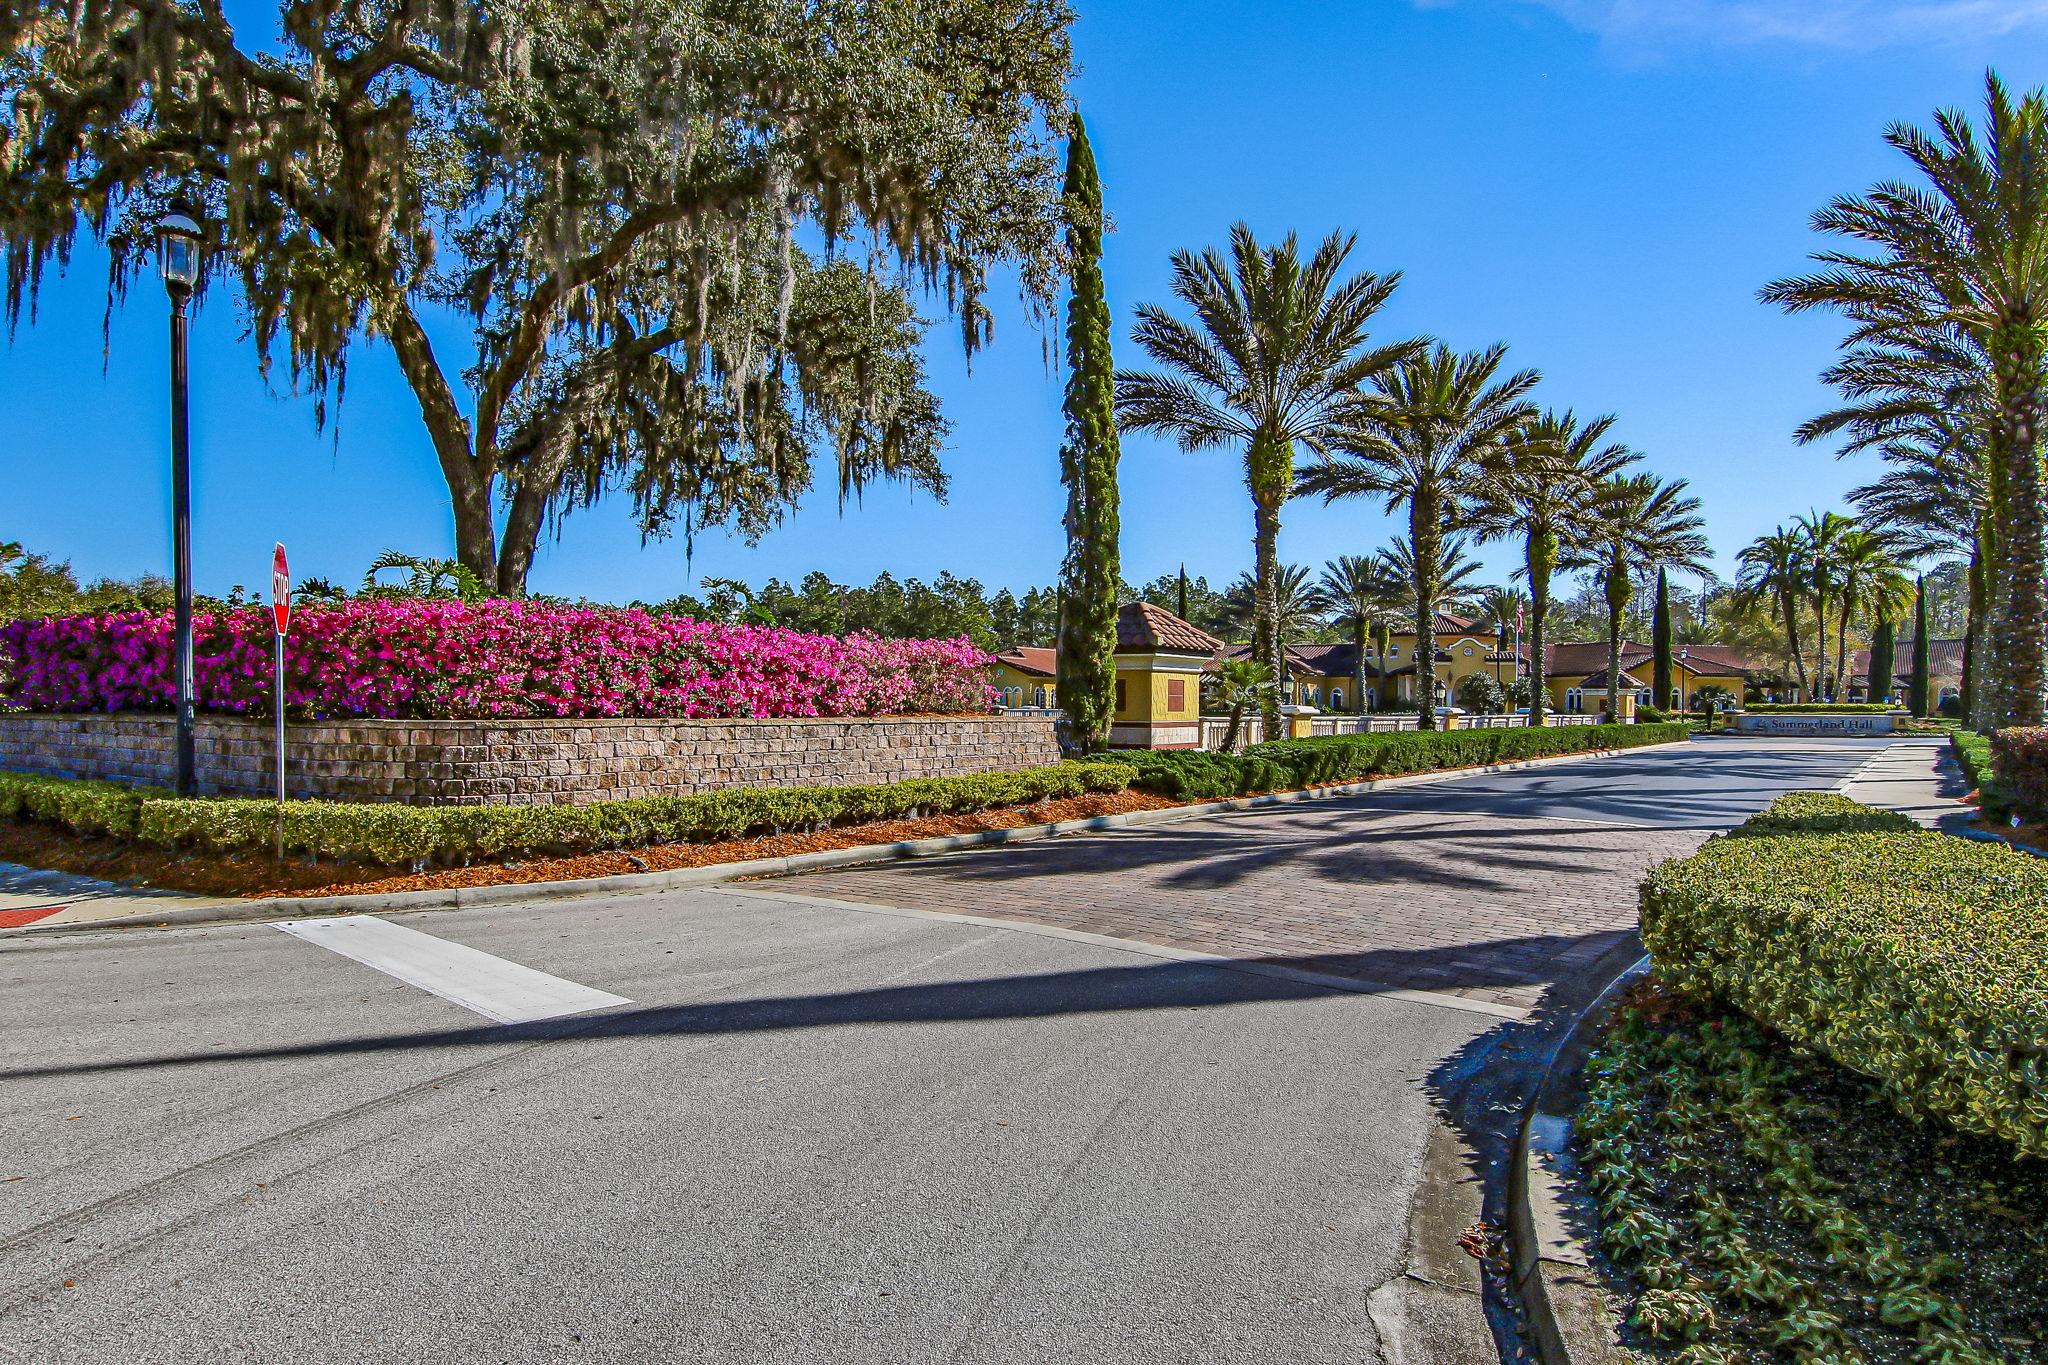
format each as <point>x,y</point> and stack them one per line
<point>812,1134</point>
<point>1709,784</point>
<point>816,1135</point>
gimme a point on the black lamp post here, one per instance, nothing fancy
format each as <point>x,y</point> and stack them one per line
<point>177,237</point>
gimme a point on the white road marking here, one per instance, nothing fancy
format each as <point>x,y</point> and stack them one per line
<point>491,986</point>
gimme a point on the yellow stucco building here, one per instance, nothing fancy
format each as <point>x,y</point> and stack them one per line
<point>1160,660</point>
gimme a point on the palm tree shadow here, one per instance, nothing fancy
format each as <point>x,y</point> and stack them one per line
<point>1158,985</point>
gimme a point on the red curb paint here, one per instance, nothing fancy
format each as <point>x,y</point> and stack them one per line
<point>14,919</point>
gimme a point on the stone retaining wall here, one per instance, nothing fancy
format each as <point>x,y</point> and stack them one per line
<point>529,762</point>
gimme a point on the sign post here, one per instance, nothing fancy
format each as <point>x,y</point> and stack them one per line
<point>281,616</point>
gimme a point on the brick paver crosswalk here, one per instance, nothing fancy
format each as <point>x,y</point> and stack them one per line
<point>1495,909</point>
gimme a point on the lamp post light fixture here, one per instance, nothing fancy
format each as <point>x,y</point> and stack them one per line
<point>178,248</point>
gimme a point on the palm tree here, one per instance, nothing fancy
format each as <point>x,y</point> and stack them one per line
<point>1297,604</point>
<point>1924,405</point>
<point>1876,582</point>
<point>1822,533</point>
<point>1363,593</point>
<point>1636,525</point>
<point>1773,569</point>
<point>1966,254</point>
<point>1454,573</point>
<point>1499,606</point>
<point>436,578</point>
<point>1272,365</point>
<point>1537,487</point>
<point>1240,683</point>
<point>1436,420</point>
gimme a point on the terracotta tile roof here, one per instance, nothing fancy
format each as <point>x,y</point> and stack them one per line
<point>1316,661</point>
<point>1944,660</point>
<point>1446,624</point>
<point>1143,626</point>
<point>1573,658</point>
<point>1031,660</point>
<point>1597,681</point>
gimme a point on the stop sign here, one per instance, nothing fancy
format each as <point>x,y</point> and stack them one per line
<point>280,590</point>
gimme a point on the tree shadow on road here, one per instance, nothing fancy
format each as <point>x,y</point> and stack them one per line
<point>1160,985</point>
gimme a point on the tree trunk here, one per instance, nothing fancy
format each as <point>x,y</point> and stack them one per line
<point>1975,615</point>
<point>1842,651</point>
<point>1660,643</point>
<point>1619,590</point>
<point>1236,720</point>
<point>1358,662</point>
<point>2019,642</point>
<point>471,482</point>
<point>1819,662</point>
<point>1916,693</point>
<point>1788,604</point>
<point>1425,537</point>
<point>1542,562</point>
<point>1270,472</point>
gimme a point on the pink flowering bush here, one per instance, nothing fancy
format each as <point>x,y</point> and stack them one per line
<point>455,660</point>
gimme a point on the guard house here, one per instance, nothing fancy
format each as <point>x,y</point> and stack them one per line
<point>1160,660</point>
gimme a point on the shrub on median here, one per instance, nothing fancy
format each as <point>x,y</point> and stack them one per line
<point>1822,813</point>
<point>1915,958</point>
<point>399,836</point>
<point>1189,775</point>
<point>1973,754</point>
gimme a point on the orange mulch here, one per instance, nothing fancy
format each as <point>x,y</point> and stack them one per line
<point>259,875</point>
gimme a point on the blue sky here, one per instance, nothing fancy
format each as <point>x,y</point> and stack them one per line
<point>1601,184</point>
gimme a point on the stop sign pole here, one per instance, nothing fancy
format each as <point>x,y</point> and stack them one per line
<point>281,616</point>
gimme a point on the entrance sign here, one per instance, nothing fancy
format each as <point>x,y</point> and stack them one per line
<point>1781,723</point>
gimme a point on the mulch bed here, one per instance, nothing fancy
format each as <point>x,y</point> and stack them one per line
<point>259,875</point>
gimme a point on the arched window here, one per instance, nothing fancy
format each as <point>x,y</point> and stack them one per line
<point>1574,700</point>
<point>1393,651</point>
<point>1372,699</point>
<point>1336,699</point>
<point>1038,696</point>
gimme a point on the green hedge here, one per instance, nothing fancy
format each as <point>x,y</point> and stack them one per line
<point>1282,765</point>
<point>87,807</point>
<point>1973,753</point>
<point>397,835</point>
<point>1915,958</point>
<point>1821,813</point>
<point>1824,708</point>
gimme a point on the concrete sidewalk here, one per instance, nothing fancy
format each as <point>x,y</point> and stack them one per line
<point>1919,778</point>
<point>31,895</point>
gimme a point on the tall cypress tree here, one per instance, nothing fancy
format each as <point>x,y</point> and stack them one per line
<point>1660,644</point>
<point>1092,574</point>
<point>1916,694</point>
<point>1884,661</point>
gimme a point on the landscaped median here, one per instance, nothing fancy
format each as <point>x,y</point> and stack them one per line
<point>368,840</point>
<point>1815,1134</point>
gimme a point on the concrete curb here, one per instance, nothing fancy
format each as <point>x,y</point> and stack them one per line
<point>459,898</point>
<point>1570,1313</point>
